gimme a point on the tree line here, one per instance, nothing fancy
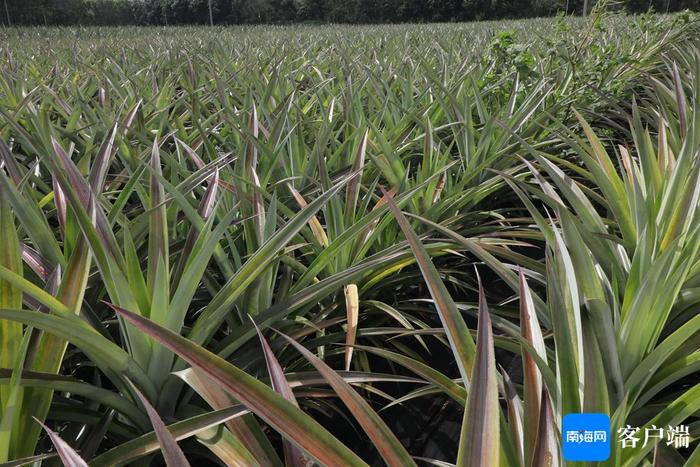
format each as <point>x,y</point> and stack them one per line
<point>177,12</point>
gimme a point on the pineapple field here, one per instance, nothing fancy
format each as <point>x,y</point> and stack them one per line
<point>414,244</point>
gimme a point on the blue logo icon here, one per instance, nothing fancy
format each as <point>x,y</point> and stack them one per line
<point>586,436</point>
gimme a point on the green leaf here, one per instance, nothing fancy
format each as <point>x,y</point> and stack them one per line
<point>547,447</point>
<point>532,378</point>
<point>171,451</point>
<point>280,384</point>
<point>10,297</point>
<point>68,456</point>
<point>479,442</point>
